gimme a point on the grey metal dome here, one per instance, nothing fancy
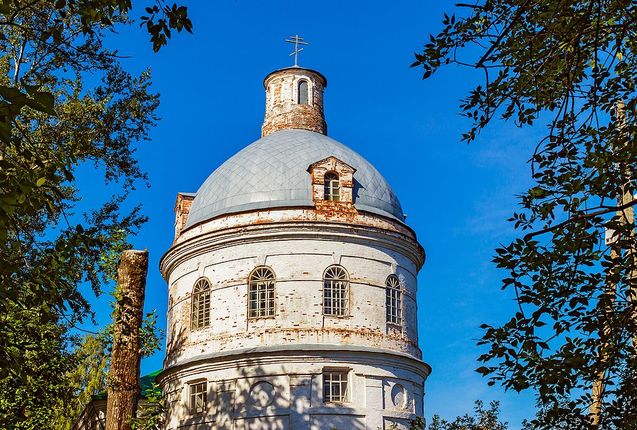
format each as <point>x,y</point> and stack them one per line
<point>272,172</point>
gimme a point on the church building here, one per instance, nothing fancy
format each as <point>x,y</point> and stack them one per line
<point>292,284</point>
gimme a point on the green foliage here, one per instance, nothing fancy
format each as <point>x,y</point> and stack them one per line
<point>568,65</point>
<point>29,392</point>
<point>65,102</point>
<point>88,377</point>
<point>161,19</point>
<point>484,419</point>
<point>417,424</point>
<point>151,336</point>
<point>152,411</point>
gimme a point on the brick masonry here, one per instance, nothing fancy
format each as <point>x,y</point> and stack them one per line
<point>282,109</point>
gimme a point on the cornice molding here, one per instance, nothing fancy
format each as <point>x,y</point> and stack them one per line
<point>290,230</point>
<point>254,357</point>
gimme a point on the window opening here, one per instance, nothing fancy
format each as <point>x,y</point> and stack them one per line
<point>332,189</point>
<point>335,291</point>
<point>394,299</point>
<point>303,95</point>
<point>261,293</point>
<point>200,304</point>
<point>335,386</point>
<point>198,397</point>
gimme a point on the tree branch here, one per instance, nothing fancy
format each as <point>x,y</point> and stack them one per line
<point>606,210</point>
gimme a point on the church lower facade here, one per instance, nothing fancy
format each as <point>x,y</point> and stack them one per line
<point>292,285</point>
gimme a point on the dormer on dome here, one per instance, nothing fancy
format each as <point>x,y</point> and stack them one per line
<point>241,183</point>
<point>294,99</point>
<point>332,184</point>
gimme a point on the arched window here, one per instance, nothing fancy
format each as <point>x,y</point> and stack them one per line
<point>335,291</point>
<point>200,316</point>
<point>394,299</point>
<point>331,187</point>
<point>303,95</point>
<point>261,293</point>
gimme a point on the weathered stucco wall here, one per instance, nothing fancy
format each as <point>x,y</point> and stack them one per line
<point>283,390</point>
<point>236,352</point>
<point>298,253</point>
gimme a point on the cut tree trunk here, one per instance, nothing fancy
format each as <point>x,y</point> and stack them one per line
<point>123,378</point>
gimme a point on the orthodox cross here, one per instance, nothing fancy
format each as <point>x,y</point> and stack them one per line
<point>297,41</point>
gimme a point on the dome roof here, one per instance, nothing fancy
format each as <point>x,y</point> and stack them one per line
<point>272,172</point>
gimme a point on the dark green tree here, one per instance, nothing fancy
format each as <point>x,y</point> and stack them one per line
<point>570,68</point>
<point>87,376</point>
<point>65,101</point>
<point>484,419</point>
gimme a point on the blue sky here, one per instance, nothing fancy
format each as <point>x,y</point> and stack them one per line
<point>457,196</point>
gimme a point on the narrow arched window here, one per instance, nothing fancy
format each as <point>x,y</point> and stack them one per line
<point>335,291</point>
<point>303,95</point>
<point>261,293</point>
<point>394,299</point>
<point>200,316</point>
<point>332,188</point>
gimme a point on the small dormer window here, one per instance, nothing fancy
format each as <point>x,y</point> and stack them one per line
<point>332,184</point>
<point>332,187</point>
<point>303,95</point>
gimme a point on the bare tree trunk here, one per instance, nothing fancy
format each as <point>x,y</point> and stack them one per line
<point>123,378</point>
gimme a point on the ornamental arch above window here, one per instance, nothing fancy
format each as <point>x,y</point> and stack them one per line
<point>332,187</point>
<point>336,291</point>
<point>261,293</point>
<point>394,299</point>
<point>303,96</point>
<point>200,315</point>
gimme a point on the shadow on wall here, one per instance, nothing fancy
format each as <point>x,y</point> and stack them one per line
<point>284,402</point>
<point>252,397</point>
<point>247,396</point>
<point>175,344</point>
<point>272,400</point>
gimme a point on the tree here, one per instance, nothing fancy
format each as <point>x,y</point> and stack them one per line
<point>65,101</point>
<point>484,419</point>
<point>570,66</point>
<point>123,389</point>
<point>88,376</point>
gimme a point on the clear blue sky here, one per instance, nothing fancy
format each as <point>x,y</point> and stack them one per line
<point>457,196</point>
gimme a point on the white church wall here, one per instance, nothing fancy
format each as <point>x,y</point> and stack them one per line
<point>285,392</point>
<point>268,372</point>
<point>298,266</point>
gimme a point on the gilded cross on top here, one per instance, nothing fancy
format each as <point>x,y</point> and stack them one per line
<point>297,41</point>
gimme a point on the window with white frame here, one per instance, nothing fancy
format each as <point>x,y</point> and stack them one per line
<point>303,96</point>
<point>200,315</point>
<point>261,293</point>
<point>335,291</point>
<point>198,397</point>
<point>335,386</point>
<point>332,188</point>
<point>394,299</point>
